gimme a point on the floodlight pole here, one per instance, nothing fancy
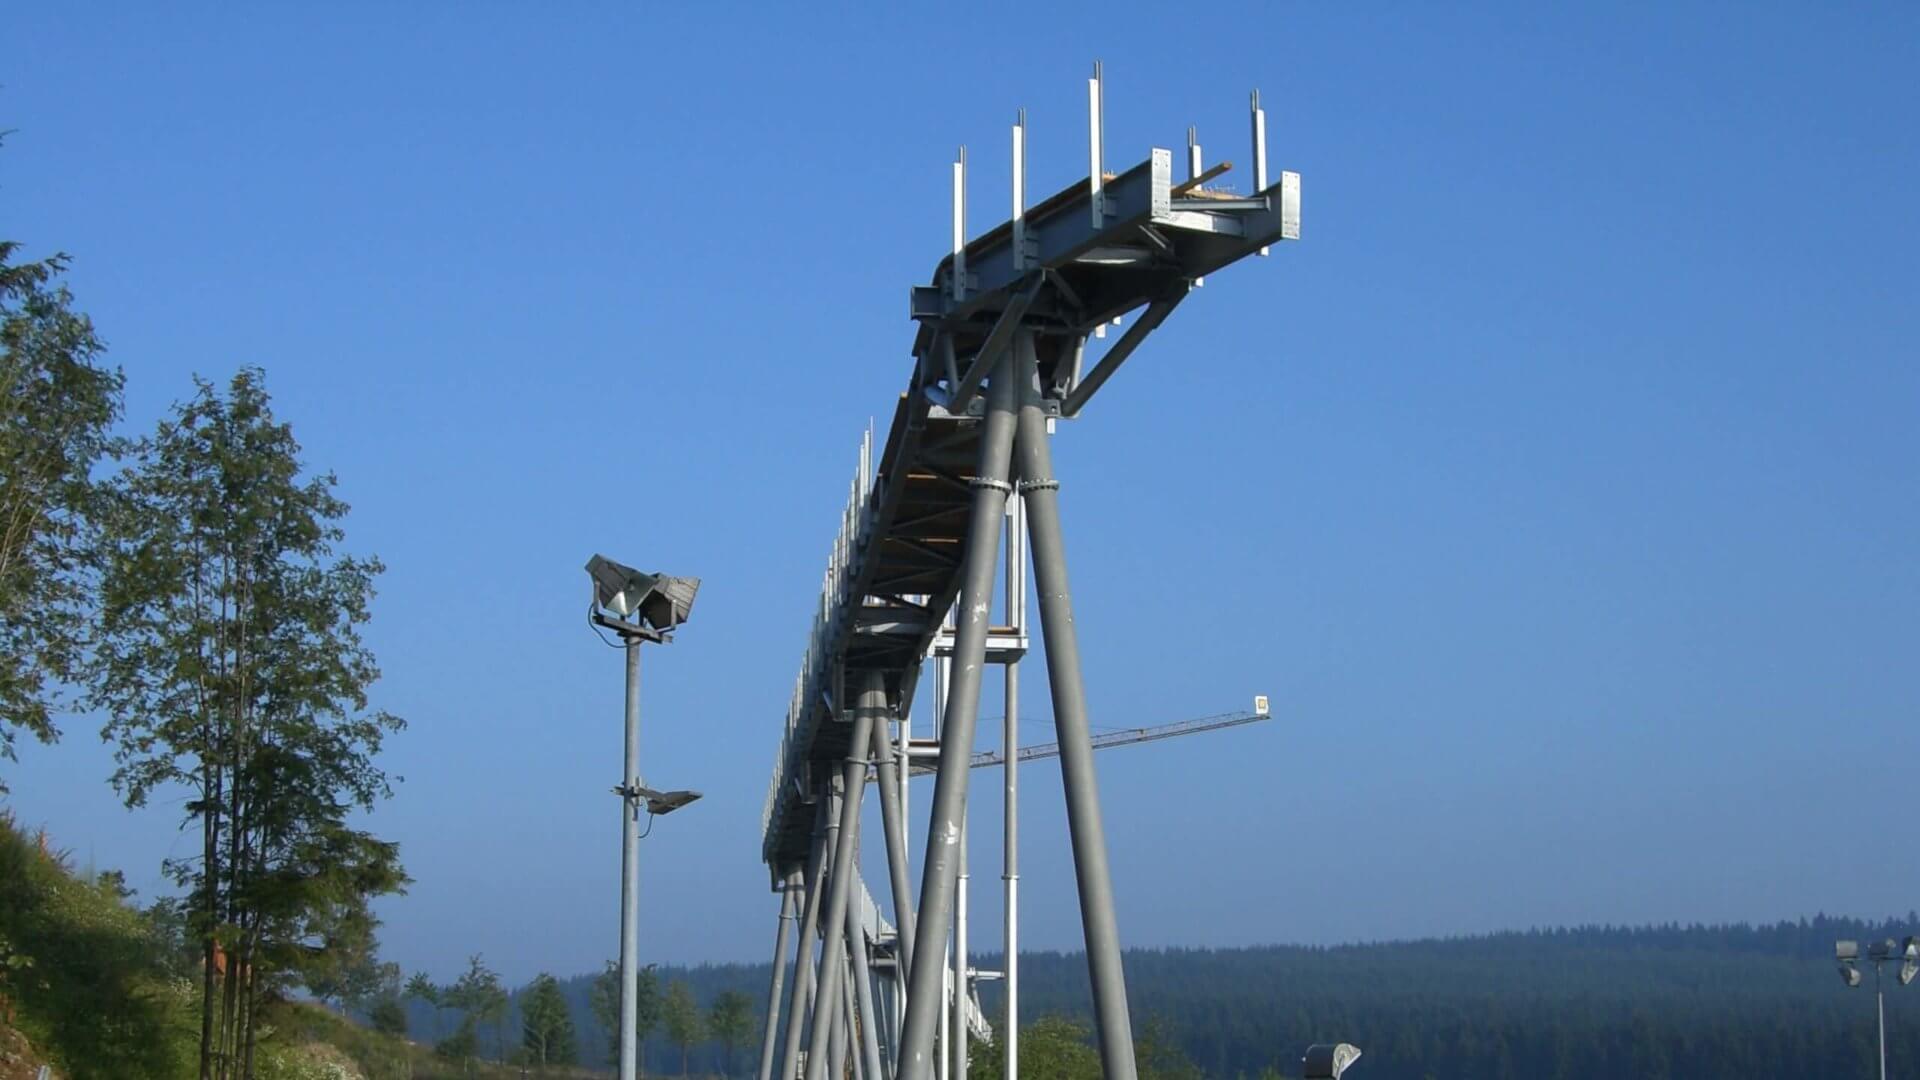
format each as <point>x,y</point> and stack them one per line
<point>1880,1004</point>
<point>630,869</point>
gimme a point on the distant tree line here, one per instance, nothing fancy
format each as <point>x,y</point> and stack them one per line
<point>1591,1003</point>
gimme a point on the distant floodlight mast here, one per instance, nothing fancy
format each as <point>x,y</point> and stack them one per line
<point>1847,954</point>
<point>639,607</point>
<point>1327,1061</point>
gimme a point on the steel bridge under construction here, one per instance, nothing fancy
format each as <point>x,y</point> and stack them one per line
<point>1006,346</point>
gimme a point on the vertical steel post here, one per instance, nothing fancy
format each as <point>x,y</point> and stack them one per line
<point>768,1038</point>
<point>1010,848</point>
<point>1880,1004</point>
<point>863,995</point>
<point>630,869</point>
<point>957,1046</point>
<point>893,823</point>
<point>836,1053</point>
<point>1259,149</point>
<point>871,704</point>
<point>990,490</point>
<point>1098,921</point>
<point>799,1000</point>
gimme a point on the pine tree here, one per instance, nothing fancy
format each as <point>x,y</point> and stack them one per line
<point>546,1023</point>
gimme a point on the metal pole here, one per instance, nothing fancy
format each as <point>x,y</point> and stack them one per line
<point>957,1048</point>
<point>1097,918</point>
<point>769,1038</point>
<point>802,989</point>
<point>893,824</point>
<point>836,1053</point>
<point>1010,847</point>
<point>1880,1005</point>
<point>630,870</point>
<point>863,995</point>
<point>872,703</point>
<point>956,737</point>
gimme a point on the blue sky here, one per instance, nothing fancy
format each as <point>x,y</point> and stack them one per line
<point>1559,485</point>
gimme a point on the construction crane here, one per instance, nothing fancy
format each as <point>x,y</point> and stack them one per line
<point>924,750</point>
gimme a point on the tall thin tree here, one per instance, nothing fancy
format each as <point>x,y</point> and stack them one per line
<point>229,661</point>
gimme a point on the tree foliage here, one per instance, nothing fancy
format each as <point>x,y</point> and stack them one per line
<point>58,404</point>
<point>730,1023</point>
<point>681,1017</point>
<point>229,661</point>
<point>546,1023</point>
<point>603,998</point>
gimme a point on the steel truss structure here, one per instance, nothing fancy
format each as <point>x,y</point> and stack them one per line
<point>1001,353</point>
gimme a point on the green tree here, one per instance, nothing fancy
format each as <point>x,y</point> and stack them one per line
<point>481,1000</point>
<point>604,999</point>
<point>388,1016</point>
<point>730,1022</point>
<point>1052,1046</point>
<point>57,406</point>
<point>229,660</point>
<point>682,1018</point>
<point>546,1023</point>
<point>421,988</point>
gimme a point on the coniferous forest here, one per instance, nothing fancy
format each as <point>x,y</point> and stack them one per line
<point>1592,1003</point>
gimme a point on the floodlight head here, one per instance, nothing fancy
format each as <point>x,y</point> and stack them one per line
<point>1909,959</point>
<point>660,601</point>
<point>1260,707</point>
<point>1881,951</point>
<point>1326,1061</point>
<point>665,802</point>
<point>1850,974</point>
<point>1846,951</point>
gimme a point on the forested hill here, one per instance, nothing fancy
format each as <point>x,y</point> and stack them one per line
<point>1593,1003</point>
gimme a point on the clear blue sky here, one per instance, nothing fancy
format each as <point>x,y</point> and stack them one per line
<point>1560,485</point>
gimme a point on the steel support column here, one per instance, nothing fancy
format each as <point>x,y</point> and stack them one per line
<point>801,994</point>
<point>863,996</point>
<point>836,1054</point>
<point>893,822</point>
<point>956,733</point>
<point>769,1038</point>
<point>1016,586</point>
<point>1097,918</point>
<point>871,703</point>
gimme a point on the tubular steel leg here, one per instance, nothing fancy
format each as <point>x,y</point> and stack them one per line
<point>957,1048</point>
<point>798,1000</point>
<point>956,734</point>
<point>769,1038</point>
<point>863,995</point>
<point>1070,720</point>
<point>842,1017</point>
<point>1016,586</point>
<point>893,823</point>
<point>853,779</point>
